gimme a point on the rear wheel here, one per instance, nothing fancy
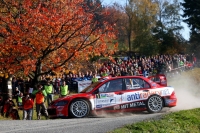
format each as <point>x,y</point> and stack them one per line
<point>154,104</point>
<point>79,108</point>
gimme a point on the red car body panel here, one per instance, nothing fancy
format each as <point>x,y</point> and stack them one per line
<point>130,98</point>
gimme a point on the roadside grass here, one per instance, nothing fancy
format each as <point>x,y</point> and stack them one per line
<point>186,121</point>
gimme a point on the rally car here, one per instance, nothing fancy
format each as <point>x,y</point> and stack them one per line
<point>117,94</point>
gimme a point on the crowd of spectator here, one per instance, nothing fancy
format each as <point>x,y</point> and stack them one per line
<point>121,66</point>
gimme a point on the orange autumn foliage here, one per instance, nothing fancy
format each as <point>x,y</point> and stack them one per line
<point>41,37</point>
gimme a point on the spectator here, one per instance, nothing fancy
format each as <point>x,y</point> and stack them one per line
<point>27,108</point>
<point>1,105</point>
<point>40,96</point>
<point>17,93</point>
<point>49,91</point>
<point>9,109</point>
<point>28,83</point>
<point>146,71</point>
<point>64,89</point>
<point>56,85</point>
<point>94,79</point>
<point>21,85</point>
<point>90,75</point>
<point>14,85</point>
<point>68,81</point>
<point>74,77</point>
<point>87,76</point>
<point>19,101</point>
<point>104,73</point>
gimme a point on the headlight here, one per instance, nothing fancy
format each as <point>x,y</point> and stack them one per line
<point>61,103</point>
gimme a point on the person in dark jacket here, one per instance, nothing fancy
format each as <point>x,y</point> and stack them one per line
<point>9,109</point>
<point>1,106</point>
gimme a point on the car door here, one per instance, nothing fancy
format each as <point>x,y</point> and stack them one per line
<point>109,95</point>
<point>133,96</point>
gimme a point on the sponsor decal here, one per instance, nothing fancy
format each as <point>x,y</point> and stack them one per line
<point>136,104</point>
<point>103,101</point>
<point>110,95</point>
<point>104,95</point>
<point>165,92</point>
<point>110,100</point>
<point>153,84</point>
<point>60,114</point>
<point>142,95</point>
<point>60,108</point>
<point>169,101</point>
<point>133,105</point>
<point>133,97</point>
<point>99,106</point>
<point>105,105</point>
<point>116,107</point>
<point>163,81</point>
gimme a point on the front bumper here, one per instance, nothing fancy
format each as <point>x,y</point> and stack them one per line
<point>57,111</point>
<point>170,102</point>
<point>51,112</point>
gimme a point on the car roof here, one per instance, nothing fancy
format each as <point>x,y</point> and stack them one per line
<point>119,77</point>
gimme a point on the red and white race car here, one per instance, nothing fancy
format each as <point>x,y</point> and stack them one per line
<point>125,93</point>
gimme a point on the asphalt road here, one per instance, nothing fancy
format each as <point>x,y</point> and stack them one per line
<point>101,124</point>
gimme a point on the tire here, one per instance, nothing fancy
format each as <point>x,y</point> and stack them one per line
<point>154,104</point>
<point>79,108</point>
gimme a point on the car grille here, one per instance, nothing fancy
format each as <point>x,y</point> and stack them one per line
<point>51,111</point>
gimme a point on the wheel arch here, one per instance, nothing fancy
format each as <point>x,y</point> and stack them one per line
<point>163,102</point>
<point>163,99</point>
<point>79,98</point>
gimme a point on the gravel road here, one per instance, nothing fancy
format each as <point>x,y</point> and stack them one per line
<point>85,125</point>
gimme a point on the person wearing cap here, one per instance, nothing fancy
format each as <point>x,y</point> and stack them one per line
<point>49,91</point>
<point>40,97</point>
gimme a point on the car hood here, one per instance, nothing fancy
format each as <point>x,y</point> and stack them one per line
<point>72,96</point>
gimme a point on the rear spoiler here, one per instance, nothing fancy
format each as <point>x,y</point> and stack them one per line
<point>159,79</point>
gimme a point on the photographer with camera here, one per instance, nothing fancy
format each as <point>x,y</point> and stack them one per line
<point>27,108</point>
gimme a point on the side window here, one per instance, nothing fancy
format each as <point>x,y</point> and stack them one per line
<point>136,83</point>
<point>114,85</point>
<point>146,85</point>
<point>102,88</point>
<point>155,79</point>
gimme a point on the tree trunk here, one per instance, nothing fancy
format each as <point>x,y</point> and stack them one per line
<point>4,87</point>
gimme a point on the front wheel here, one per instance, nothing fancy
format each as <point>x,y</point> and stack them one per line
<point>79,108</point>
<point>154,104</point>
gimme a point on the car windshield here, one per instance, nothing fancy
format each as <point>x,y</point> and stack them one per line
<point>90,87</point>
